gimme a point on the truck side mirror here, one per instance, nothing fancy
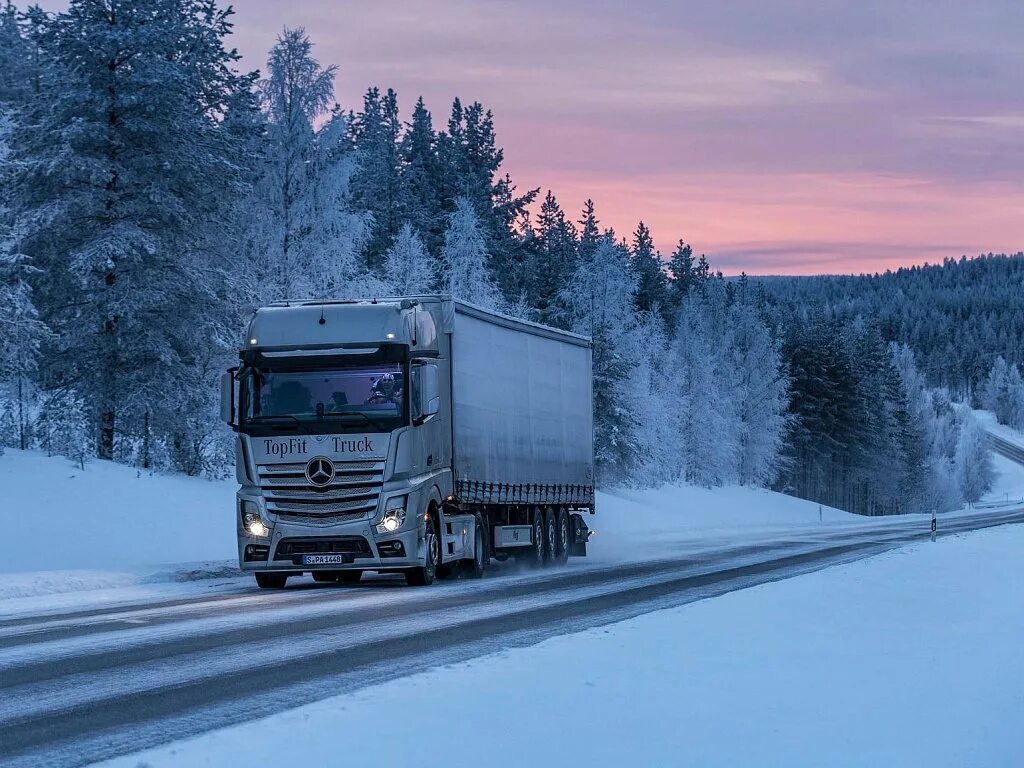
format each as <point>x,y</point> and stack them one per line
<point>429,391</point>
<point>227,397</point>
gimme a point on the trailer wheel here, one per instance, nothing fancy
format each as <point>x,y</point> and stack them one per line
<point>536,554</point>
<point>271,579</point>
<point>474,567</point>
<point>564,537</point>
<point>550,536</point>
<point>424,575</point>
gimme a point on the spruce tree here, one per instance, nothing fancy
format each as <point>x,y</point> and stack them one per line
<point>376,183</point>
<point>295,94</point>
<point>646,261</point>
<point>600,299</point>
<point>408,268</point>
<point>122,170</point>
<point>421,179</point>
<point>464,271</point>
<point>553,261</point>
<point>589,229</point>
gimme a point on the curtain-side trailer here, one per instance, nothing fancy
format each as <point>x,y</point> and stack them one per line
<point>418,435</point>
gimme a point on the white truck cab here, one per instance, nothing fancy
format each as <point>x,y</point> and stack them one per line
<point>415,435</point>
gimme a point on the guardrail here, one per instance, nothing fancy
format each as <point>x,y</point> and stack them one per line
<point>997,504</point>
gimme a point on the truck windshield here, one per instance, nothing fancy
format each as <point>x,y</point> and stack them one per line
<point>363,398</point>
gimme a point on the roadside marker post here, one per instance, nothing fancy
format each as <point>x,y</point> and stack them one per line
<point>935,525</point>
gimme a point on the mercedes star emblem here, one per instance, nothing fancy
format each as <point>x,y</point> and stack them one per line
<point>320,471</point>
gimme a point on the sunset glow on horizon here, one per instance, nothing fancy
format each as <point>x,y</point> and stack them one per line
<point>799,138</point>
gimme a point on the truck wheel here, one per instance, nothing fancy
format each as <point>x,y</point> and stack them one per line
<point>325,577</point>
<point>563,543</point>
<point>535,556</point>
<point>350,577</point>
<point>271,580</point>
<point>474,567</point>
<point>424,575</point>
<point>550,537</point>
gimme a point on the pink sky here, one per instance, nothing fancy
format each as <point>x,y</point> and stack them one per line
<point>798,136</point>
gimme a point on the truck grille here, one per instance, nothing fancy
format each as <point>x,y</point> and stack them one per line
<point>349,545</point>
<point>352,495</point>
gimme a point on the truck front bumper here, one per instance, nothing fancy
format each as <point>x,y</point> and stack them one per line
<point>348,546</point>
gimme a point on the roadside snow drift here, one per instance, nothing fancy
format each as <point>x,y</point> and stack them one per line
<point>88,527</point>
<point>910,658</point>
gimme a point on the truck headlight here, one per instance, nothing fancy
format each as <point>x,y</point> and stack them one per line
<point>393,517</point>
<point>251,520</point>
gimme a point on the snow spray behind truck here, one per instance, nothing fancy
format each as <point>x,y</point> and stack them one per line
<point>418,435</point>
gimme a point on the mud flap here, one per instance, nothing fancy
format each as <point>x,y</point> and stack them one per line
<point>580,535</point>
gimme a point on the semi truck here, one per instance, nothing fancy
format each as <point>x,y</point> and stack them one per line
<point>417,435</point>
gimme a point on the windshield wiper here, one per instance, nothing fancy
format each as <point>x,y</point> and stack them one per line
<point>356,415</point>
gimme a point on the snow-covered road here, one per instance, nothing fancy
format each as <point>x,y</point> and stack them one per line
<point>81,685</point>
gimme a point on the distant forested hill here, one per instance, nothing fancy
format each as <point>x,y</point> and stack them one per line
<point>957,316</point>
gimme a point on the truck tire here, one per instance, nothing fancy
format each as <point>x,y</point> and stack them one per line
<point>563,537</point>
<point>350,577</point>
<point>550,536</point>
<point>475,567</point>
<point>271,579</point>
<point>536,554</point>
<point>424,575</point>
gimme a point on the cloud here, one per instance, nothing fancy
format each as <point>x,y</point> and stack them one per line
<point>872,130</point>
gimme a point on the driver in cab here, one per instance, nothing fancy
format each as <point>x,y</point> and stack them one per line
<point>385,391</point>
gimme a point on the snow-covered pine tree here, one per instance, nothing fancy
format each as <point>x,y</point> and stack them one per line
<point>1003,393</point>
<point>376,183</point>
<point>21,332</point>
<point>600,300</point>
<point>685,275</point>
<point>421,202</point>
<point>709,425</point>
<point>336,234</point>
<point>761,395</point>
<point>973,460</point>
<point>469,161</point>
<point>652,398</point>
<point>122,170</point>
<point>464,271</point>
<point>408,268</point>
<point>63,425</point>
<point>646,261</point>
<point>21,335</point>
<point>589,229</point>
<point>295,94</point>
<point>15,59</point>
<point>553,260</point>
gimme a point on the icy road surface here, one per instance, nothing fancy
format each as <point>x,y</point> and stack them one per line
<point>78,686</point>
<point>908,659</point>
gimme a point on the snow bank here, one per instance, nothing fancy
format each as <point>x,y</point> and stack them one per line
<point>1008,485</point>
<point>108,525</point>
<point>641,524</point>
<point>910,658</point>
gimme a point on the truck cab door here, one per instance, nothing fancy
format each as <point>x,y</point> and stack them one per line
<point>426,417</point>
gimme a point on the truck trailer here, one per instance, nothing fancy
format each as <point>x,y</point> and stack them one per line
<point>417,435</point>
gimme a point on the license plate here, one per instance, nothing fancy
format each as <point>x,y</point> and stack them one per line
<point>322,559</point>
